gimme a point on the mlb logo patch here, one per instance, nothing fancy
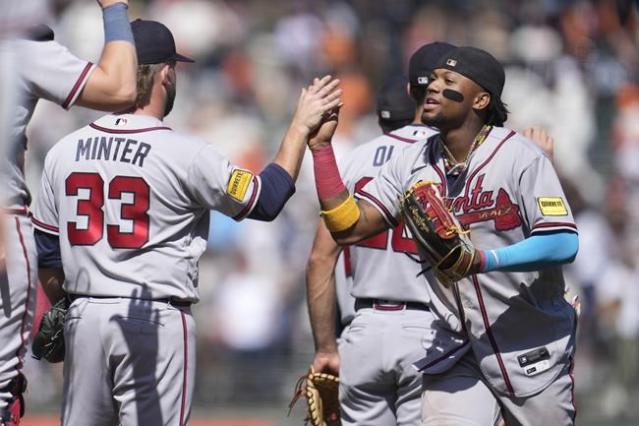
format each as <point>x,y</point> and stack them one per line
<point>385,114</point>
<point>121,122</point>
<point>451,62</point>
<point>422,80</point>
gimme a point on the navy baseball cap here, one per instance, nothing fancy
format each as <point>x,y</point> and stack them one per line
<point>393,101</point>
<point>154,43</point>
<point>423,62</point>
<point>477,65</point>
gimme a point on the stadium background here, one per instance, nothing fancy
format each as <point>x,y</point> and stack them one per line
<point>572,68</point>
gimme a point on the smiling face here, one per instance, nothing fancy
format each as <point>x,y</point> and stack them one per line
<point>451,98</point>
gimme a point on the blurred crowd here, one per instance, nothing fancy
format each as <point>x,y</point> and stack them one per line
<point>572,68</point>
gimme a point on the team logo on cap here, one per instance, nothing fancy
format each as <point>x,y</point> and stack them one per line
<point>451,62</point>
<point>422,80</point>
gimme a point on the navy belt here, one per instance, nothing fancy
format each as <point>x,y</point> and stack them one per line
<point>389,305</point>
<point>169,300</point>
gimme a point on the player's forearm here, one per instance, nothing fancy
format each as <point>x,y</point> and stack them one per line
<point>320,290</point>
<point>533,253</point>
<point>292,148</point>
<point>52,280</point>
<point>112,85</point>
<point>322,301</point>
<point>348,221</point>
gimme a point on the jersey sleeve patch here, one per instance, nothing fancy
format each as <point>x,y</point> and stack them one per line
<point>238,184</point>
<point>552,206</point>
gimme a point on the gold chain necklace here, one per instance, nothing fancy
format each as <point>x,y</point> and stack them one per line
<point>454,167</point>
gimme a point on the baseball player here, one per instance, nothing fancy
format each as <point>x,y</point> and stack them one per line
<point>378,384</point>
<point>509,339</point>
<point>125,204</point>
<point>45,69</point>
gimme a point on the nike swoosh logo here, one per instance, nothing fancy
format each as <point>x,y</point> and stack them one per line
<point>416,169</point>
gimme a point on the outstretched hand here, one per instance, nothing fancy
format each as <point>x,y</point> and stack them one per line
<point>541,138</point>
<point>324,133</point>
<point>316,103</point>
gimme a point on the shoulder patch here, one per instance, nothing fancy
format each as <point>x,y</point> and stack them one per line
<point>239,183</point>
<point>552,206</point>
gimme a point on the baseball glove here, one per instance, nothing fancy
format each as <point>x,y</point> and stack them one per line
<point>437,231</point>
<point>321,393</point>
<point>48,343</point>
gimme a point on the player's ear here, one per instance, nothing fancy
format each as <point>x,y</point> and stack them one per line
<point>165,73</point>
<point>481,101</point>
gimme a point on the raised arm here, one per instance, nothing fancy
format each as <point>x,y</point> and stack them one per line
<point>347,220</point>
<point>314,101</point>
<point>112,84</point>
<point>322,300</point>
<point>278,178</point>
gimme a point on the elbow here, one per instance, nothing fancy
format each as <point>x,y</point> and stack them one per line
<point>570,247</point>
<point>129,95</point>
<point>344,239</point>
<point>122,95</point>
<point>266,213</point>
<point>125,96</point>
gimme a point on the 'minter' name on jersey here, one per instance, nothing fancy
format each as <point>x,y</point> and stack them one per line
<point>113,149</point>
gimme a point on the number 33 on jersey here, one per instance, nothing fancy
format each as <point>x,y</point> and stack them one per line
<point>129,182</point>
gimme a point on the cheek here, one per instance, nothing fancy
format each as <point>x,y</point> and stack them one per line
<point>453,95</point>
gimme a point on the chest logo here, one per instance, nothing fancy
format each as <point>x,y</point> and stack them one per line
<point>479,205</point>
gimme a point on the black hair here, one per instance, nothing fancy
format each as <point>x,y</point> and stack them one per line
<point>496,112</point>
<point>390,125</point>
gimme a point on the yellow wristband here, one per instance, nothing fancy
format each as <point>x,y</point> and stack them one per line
<point>341,217</point>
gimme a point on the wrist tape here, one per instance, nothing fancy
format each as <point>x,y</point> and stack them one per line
<point>341,217</point>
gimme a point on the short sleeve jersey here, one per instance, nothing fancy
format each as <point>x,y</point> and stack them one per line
<point>387,265</point>
<point>508,192</point>
<point>46,70</point>
<point>130,200</point>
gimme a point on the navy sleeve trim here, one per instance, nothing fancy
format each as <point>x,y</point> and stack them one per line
<point>277,187</point>
<point>48,247</point>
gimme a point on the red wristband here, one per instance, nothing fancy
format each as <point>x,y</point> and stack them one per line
<point>327,179</point>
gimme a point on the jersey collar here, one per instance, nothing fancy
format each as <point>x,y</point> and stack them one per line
<point>128,123</point>
<point>412,133</point>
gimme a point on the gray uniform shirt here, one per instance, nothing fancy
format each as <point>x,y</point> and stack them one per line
<point>385,266</point>
<point>130,200</point>
<point>521,329</point>
<point>49,71</point>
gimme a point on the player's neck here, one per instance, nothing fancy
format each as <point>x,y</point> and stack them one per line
<point>417,119</point>
<point>458,141</point>
<point>156,106</point>
<point>151,110</point>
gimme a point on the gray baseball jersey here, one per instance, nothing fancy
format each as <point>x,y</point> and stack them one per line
<point>384,266</point>
<point>381,387</point>
<point>521,330</point>
<point>130,200</point>
<point>49,71</point>
<point>42,70</point>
